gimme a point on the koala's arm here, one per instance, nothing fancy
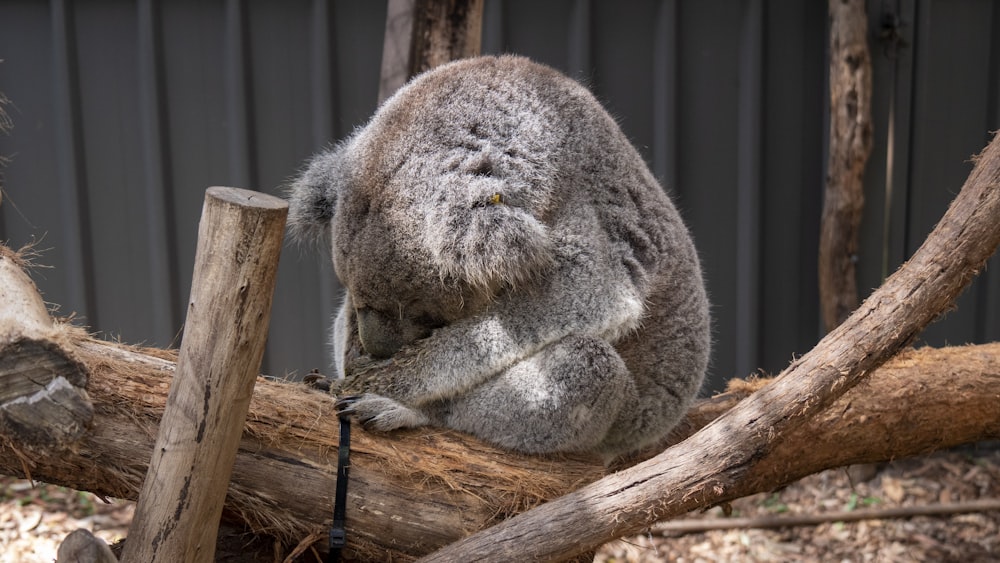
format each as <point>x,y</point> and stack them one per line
<point>581,294</point>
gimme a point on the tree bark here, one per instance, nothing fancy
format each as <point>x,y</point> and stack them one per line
<point>43,397</point>
<point>239,241</point>
<point>850,146</point>
<point>422,34</point>
<point>733,456</point>
<point>443,31</point>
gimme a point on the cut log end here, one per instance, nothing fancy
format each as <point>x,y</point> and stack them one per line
<point>43,401</point>
<point>44,406</point>
<point>246,198</point>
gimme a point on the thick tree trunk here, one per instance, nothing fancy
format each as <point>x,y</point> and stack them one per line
<point>416,491</point>
<point>850,145</point>
<point>443,31</point>
<point>422,34</point>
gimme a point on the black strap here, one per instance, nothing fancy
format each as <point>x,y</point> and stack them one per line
<point>338,533</point>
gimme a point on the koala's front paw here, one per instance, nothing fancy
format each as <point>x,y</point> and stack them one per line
<point>379,377</point>
<point>379,414</point>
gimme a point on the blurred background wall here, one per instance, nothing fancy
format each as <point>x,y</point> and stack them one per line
<point>124,112</point>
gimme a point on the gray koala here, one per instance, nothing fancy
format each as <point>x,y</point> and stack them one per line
<point>513,269</point>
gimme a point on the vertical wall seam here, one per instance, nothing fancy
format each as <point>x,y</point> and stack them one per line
<point>900,116</point>
<point>579,44</point>
<point>324,120</point>
<point>322,69</point>
<point>899,121</point>
<point>157,184</point>
<point>74,202</point>
<point>987,327</point>
<point>665,81</point>
<point>921,25</point>
<point>749,141</point>
<point>239,96</point>
<point>494,32</point>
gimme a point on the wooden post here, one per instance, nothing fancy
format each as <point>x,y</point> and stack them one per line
<point>180,503</point>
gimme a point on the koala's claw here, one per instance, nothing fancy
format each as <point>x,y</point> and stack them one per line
<point>344,404</point>
<point>379,414</point>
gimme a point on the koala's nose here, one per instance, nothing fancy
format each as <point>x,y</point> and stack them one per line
<point>380,337</point>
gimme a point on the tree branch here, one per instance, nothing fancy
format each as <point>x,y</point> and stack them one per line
<point>682,527</point>
<point>423,34</point>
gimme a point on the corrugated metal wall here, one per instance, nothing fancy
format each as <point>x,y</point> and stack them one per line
<point>126,110</point>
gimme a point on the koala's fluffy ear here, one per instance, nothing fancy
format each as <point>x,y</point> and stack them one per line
<point>312,197</point>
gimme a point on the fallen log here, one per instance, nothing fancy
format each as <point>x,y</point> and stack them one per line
<point>410,492</point>
<point>415,491</point>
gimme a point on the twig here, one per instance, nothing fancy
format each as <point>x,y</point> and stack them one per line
<point>305,544</point>
<point>682,527</point>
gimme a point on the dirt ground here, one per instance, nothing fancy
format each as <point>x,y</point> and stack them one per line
<point>957,478</point>
<point>33,520</point>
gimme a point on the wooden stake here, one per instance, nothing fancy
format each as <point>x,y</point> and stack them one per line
<point>239,241</point>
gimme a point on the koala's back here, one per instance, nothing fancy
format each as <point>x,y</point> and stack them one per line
<point>504,175</point>
<point>567,161</point>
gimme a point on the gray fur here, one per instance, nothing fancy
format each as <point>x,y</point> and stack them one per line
<point>513,269</point>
